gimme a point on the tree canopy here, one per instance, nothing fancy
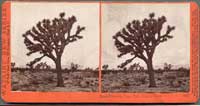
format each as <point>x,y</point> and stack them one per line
<point>139,39</point>
<point>49,37</point>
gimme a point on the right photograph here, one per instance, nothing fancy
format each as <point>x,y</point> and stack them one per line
<point>145,47</point>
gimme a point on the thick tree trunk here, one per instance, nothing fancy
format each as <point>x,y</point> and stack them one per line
<point>60,82</point>
<point>152,82</point>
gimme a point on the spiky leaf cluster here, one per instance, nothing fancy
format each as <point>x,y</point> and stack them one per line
<point>49,37</point>
<point>140,39</point>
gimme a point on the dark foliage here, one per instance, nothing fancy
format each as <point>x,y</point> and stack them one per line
<point>50,37</point>
<point>105,67</point>
<point>140,39</point>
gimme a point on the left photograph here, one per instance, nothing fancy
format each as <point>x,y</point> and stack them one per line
<point>55,47</point>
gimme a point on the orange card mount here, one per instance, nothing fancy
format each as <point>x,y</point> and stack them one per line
<point>100,52</point>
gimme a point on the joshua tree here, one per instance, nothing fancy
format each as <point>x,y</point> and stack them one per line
<point>140,39</point>
<point>167,67</point>
<point>49,38</point>
<point>135,66</point>
<point>13,65</point>
<point>74,67</point>
<point>42,65</point>
<point>105,67</point>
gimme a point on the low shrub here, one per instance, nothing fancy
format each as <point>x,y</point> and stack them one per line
<point>141,79</point>
<point>183,74</point>
<point>126,83</point>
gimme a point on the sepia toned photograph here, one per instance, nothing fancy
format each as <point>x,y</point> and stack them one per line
<point>54,47</point>
<point>100,52</point>
<point>145,47</point>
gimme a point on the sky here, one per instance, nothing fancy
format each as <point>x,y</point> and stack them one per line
<point>175,51</point>
<point>84,52</point>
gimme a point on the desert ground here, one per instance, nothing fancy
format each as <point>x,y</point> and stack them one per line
<point>112,81</point>
<point>130,81</point>
<point>74,81</point>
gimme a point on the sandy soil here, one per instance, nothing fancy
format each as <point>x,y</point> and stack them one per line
<point>46,81</point>
<point>138,82</point>
<point>88,81</point>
